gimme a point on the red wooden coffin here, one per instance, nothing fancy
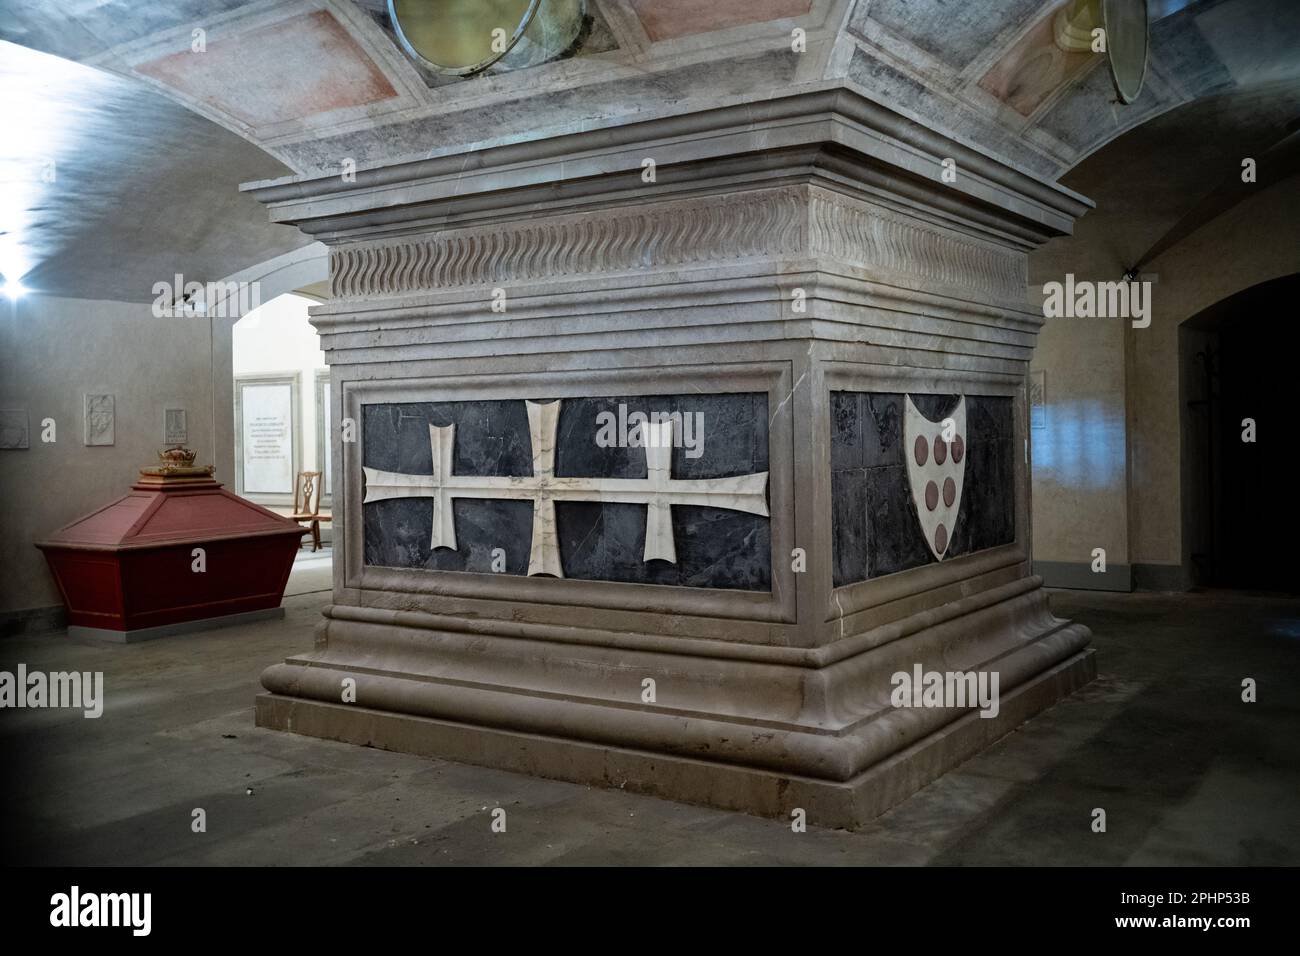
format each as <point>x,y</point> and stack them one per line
<point>131,565</point>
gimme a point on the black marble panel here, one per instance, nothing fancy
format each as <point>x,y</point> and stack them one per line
<point>716,548</point>
<point>875,528</point>
<point>491,439</point>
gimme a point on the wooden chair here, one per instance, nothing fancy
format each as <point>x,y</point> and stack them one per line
<point>306,505</point>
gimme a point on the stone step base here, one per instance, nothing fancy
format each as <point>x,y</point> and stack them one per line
<point>848,804</point>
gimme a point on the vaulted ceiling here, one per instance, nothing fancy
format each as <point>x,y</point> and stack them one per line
<point>315,83</point>
<point>107,187</point>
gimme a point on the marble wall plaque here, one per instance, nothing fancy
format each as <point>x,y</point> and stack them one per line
<point>14,428</point>
<point>175,426</point>
<point>101,419</point>
<point>876,528</point>
<point>600,540</point>
<point>266,445</point>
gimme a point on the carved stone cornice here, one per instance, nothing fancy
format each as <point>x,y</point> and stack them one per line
<point>833,137</point>
<point>877,240</point>
<point>778,223</point>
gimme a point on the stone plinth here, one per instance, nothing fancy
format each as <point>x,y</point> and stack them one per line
<point>839,342</point>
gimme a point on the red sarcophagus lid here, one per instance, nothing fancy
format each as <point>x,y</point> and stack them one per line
<point>129,569</point>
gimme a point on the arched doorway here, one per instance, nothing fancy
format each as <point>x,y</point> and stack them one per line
<point>1238,361</point>
<point>282,425</point>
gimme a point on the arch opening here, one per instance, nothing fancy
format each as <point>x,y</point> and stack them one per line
<point>1237,360</point>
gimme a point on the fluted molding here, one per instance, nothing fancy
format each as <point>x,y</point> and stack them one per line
<point>873,238</point>
<point>769,223</point>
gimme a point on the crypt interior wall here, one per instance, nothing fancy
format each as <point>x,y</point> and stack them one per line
<point>1108,468</point>
<point>53,351</point>
<point>1255,242</point>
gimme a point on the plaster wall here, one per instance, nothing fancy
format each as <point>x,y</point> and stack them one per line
<point>1080,495</point>
<point>52,352</point>
<point>1107,467</point>
<point>1256,241</point>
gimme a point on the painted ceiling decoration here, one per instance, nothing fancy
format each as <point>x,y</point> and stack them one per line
<point>313,82</point>
<point>327,85</point>
<point>274,73</point>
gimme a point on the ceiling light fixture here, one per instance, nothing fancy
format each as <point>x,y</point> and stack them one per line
<point>1125,27</point>
<point>463,37</point>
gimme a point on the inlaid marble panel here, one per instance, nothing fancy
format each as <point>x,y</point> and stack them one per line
<point>880,481</point>
<point>568,489</point>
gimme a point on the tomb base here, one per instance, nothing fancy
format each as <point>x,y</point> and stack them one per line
<point>765,735</point>
<point>833,334</point>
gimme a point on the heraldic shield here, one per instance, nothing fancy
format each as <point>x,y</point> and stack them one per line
<point>936,467</point>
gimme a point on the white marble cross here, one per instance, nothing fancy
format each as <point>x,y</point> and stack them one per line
<point>658,490</point>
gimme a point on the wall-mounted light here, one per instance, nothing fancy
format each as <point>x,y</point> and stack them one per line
<point>1127,35</point>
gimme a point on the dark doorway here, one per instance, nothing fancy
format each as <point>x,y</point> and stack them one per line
<point>1239,362</point>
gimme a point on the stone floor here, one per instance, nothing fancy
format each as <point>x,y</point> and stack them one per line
<point>312,571</point>
<point>1187,773</point>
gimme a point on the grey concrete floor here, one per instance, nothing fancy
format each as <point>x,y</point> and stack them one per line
<point>1187,773</point>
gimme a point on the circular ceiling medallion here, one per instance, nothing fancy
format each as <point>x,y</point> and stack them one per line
<point>1127,39</point>
<point>460,37</point>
